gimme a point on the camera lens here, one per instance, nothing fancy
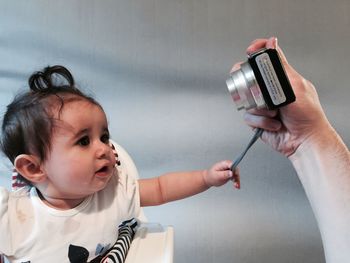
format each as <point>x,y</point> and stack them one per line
<point>244,89</point>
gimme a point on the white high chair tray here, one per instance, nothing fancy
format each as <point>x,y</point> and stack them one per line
<point>152,243</point>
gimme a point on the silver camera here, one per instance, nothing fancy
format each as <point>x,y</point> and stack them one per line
<point>261,82</point>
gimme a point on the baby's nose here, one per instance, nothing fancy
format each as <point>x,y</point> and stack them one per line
<point>102,150</point>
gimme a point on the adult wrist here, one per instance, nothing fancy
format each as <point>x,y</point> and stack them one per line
<point>317,141</point>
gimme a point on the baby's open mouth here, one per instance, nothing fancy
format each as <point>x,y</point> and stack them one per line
<point>103,169</point>
<point>103,172</point>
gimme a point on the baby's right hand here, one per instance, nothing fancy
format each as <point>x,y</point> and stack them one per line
<point>220,173</point>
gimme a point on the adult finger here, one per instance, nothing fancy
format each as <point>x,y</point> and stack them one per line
<point>263,112</point>
<point>236,67</point>
<point>263,122</point>
<point>256,45</point>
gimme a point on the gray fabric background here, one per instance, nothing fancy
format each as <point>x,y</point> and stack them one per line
<point>159,70</point>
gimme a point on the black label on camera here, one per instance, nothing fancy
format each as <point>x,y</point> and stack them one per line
<point>272,79</point>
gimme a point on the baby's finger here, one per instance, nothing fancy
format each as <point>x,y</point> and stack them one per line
<point>236,179</point>
<point>223,165</point>
<point>222,177</point>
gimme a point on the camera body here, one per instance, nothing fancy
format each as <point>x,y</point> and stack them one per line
<point>261,82</point>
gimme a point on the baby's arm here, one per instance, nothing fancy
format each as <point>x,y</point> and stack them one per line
<point>178,185</point>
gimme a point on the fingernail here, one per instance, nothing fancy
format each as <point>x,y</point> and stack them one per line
<point>230,174</point>
<point>275,42</point>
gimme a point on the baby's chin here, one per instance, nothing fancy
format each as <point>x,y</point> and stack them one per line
<point>103,181</point>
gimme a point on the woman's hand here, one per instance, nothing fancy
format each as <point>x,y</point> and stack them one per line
<point>288,127</point>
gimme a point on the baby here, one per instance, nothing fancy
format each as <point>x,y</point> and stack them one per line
<point>78,191</point>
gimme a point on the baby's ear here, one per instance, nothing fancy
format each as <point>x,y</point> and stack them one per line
<point>29,167</point>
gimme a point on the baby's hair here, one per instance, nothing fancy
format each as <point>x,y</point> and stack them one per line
<point>29,120</point>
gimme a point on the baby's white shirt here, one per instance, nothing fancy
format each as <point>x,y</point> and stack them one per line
<point>30,231</point>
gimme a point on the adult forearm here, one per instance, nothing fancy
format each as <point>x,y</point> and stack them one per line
<point>323,165</point>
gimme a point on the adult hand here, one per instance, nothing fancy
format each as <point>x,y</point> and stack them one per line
<point>301,131</point>
<point>287,128</point>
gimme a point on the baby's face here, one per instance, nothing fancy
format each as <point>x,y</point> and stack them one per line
<point>80,161</point>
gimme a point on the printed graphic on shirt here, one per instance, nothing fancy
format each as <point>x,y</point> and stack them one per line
<point>116,254</point>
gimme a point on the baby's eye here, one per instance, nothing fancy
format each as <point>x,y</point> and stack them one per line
<point>105,138</point>
<point>85,141</point>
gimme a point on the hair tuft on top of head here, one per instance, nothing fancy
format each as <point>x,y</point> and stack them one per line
<point>51,77</point>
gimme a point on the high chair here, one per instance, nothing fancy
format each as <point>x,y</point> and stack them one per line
<point>152,241</point>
